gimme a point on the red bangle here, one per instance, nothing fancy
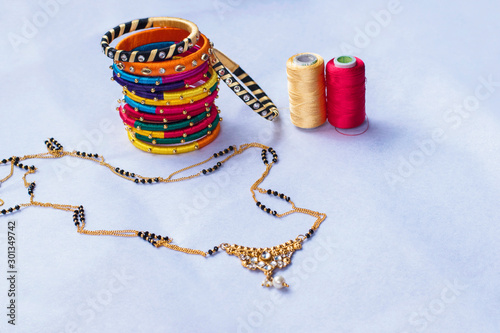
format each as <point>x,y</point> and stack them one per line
<point>206,122</point>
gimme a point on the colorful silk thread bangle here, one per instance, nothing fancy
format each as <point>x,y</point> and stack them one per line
<point>178,98</point>
<point>257,100</point>
<point>181,139</point>
<point>132,82</point>
<point>152,80</point>
<point>175,149</point>
<point>163,109</point>
<point>167,67</point>
<point>187,88</point>
<point>169,92</point>
<point>155,54</point>
<point>165,118</point>
<point>164,126</point>
<point>185,109</point>
<point>173,133</point>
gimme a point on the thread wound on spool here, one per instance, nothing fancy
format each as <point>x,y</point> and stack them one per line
<point>345,61</point>
<point>306,90</point>
<point>346,92</point>
<point>305,59</point>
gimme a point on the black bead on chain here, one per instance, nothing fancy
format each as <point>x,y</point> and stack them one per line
<point>310,233</point>
<point>264,157</point>
<point>124,173</point>
<point>142,180</point>
<point>15,160</point>
<point>211,252</point>
<point>81,214</point>
<point>151,238</point>
<point>266,209</point>
<point>53,145</point>
<point>31,188</point>
<point>10,210</point>
<point>223,152</point>
<point>275,155</point>
<point>276,194</point>
<point>219,164</point>
<point>75,218</point>
<point>280,195</point>
<point>84,154</point>
<point>212,169</point>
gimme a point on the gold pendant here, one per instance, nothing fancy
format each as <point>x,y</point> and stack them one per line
<point>266,259</point>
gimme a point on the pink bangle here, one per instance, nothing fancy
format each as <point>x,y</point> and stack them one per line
<point>165,118</point>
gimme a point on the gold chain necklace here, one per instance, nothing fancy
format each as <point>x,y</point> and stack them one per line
<point>264,259</point>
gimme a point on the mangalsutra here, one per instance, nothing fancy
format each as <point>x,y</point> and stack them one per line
<point>267,260</point>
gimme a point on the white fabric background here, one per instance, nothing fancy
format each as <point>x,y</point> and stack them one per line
<point>386,256</point>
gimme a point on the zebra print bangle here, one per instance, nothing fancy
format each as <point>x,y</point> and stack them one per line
<point>188,61</point>
<point>257,100</point>
<point>155,54</point>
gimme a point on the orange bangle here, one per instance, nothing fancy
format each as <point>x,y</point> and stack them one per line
<point>167,67</point>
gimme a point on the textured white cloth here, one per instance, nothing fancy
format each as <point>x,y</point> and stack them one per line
<point>412,232</point>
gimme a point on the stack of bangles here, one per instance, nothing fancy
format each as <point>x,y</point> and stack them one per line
<point>170,76</point>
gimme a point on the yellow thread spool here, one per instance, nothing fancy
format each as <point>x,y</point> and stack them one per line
<point>306,89</point>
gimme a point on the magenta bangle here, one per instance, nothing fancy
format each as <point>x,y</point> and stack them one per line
<point>166,118</point>
<point>159,94</point>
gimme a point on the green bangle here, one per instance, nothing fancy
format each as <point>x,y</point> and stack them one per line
<point>180,139</point>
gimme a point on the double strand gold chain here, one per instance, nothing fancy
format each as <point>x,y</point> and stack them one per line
<point>264,259</point>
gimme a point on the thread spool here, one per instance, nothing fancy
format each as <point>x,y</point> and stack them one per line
<point>306,90</point>
<point>345,84</point>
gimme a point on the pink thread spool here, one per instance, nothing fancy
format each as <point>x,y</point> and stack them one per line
<point>345,84</point>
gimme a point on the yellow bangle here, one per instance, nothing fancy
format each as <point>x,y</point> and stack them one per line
<point>177,149</point>
<point>178,98</point>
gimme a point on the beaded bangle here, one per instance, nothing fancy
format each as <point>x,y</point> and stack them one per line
<point>192,128</point>
<point>164,126</point>
<point>167,67</point>
<point>175,149</point>
<point>147,88</point>
<point>167,83</point>
<point>157,45</point>
<point>160,95</point>
<point>152,82</point>
<point>179,139</point>
<point>167,109</point>
<point>257,99</point>
<point>155,54</point>
<point>178,98</point>
<point>131,113</point>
